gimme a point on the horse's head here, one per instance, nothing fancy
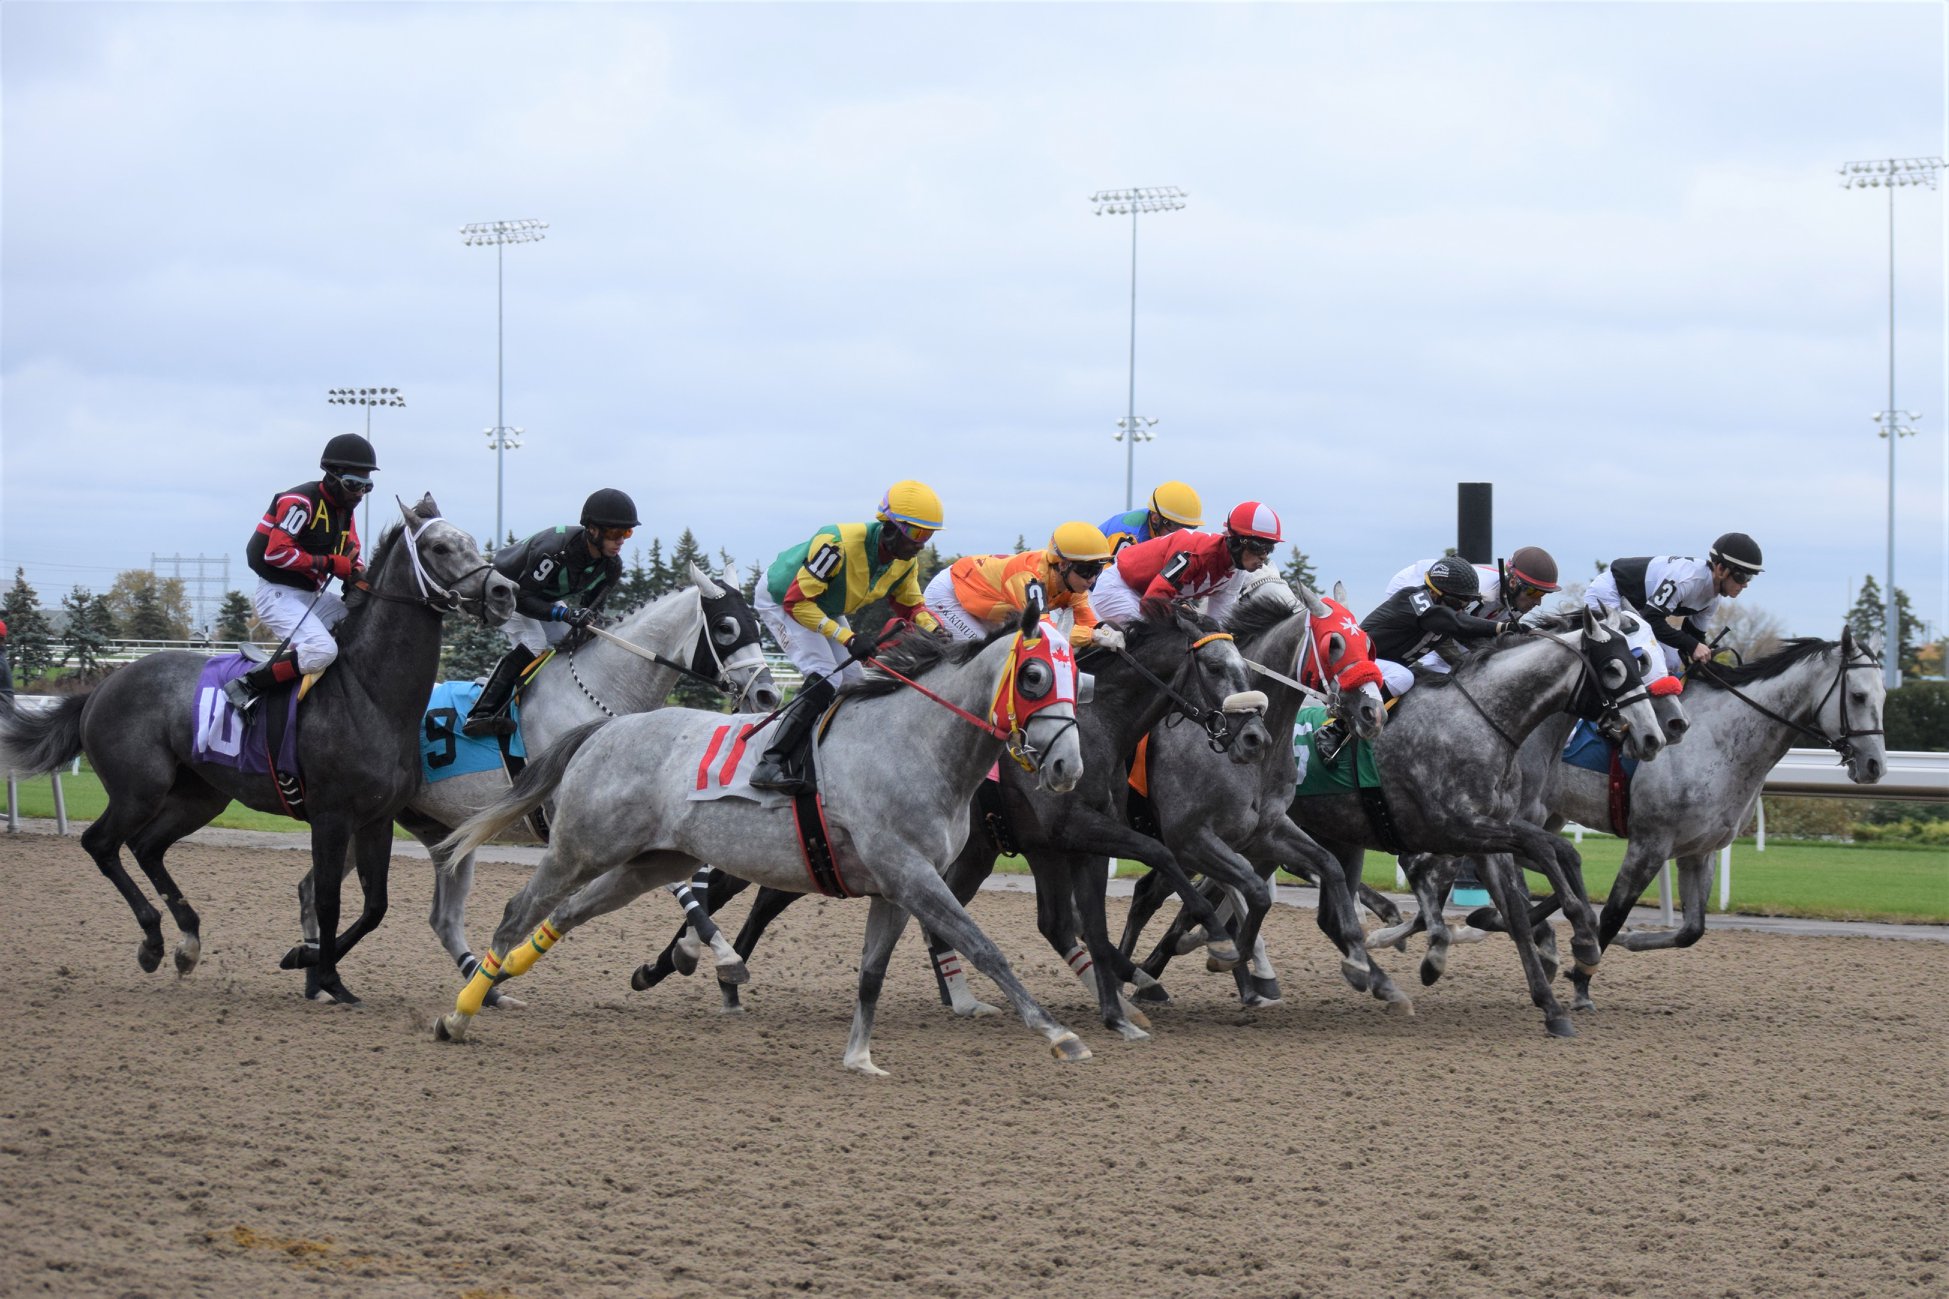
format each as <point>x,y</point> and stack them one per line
<point>1664,684</point>
<point>1339,661</point>
<point>1850,712</point>
<point>1614,673</point>
<point>1214,675</point>
<point>1039,688</point>
<point>444,567</point>
<point>728,648</point>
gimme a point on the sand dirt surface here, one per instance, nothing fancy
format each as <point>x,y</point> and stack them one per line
<point>1760,1115</point>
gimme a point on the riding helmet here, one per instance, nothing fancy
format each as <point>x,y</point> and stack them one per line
<point>1533,566</point>
<point>349,452</point>
<point>1738,552</point>
<point>1454,577</point>
<point>1252,519</point>
<point>1178,503</point>
<point>911,505</point>
<point>609,508</point>
<point>1077,540</point>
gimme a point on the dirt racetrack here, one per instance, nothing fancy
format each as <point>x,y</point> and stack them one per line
<point>1760,1115</point>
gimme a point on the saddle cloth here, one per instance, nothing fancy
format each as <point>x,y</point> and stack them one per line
<point>241,742</point>
<point>1587,748</point>
<point>1354,762</point>
<point>444,751</point>
<point>725,764</point>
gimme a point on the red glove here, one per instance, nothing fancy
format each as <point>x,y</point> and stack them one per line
<point>342,566</point>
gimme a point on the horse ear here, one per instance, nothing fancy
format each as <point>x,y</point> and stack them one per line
<point>1314,605</point>
<point>428,508</point>
<point>730,579</point>
<point>1340,593</point>
<point>1594,627</point>
<point>702,581</point>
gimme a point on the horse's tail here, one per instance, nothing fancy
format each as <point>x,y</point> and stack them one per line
<point>37,742</point>
<point>531,789</point>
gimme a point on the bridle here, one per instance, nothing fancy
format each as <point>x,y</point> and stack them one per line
<point>432,595</point>
<point>1586,681</point>
<point>1221,728</point>
<point>707,645</point>
<point>1853,658</point>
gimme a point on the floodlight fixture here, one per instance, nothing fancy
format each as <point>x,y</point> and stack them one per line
<point>499,234</point>
<point>1135,202</point>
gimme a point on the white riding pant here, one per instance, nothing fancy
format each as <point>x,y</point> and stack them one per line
<point>534,635</point>
<point>1113,599</point>
<point>288,612</point>
<point>812,654</point>
<point>1398,677</point>
<point>1603,596</point>
<point>941,602</point>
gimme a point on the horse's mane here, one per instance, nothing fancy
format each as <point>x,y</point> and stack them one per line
<point>382,551</point>
<point>916,655</point>
<point>1797,650</point>
<point>1252,618</point>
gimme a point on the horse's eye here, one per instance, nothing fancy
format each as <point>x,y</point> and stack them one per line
<point>1613,674</point>
<point>1034,679</point>
<point>725,630</point>
<point>1336,647</point>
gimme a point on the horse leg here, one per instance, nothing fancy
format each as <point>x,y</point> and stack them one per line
<point>371,846</point>
<point>1642,860</point>
<point>187,810</point>
<point>884,921</point>
<point>768,906</point>
<point>924,895</point>
<point>1556,859</point>
<point>1095,960</point>
<point>719,889</point>
<point>103,841</point>
<point>331,838</point>
<point>964,875</point>
<point>1146,896</point>
<point>1507,891</point>
<point>702,932</point>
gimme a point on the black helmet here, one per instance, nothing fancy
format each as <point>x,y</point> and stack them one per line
<point>609,508</point>
<point>351,452</point>
<point>1454,577</point>
<point>1738,552</point>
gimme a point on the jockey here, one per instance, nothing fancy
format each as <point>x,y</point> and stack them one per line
<point>305,539</point>
<point>1679,586</point>
<point>811,589</point>
<point>561,575</point>
<point>1172,506</point>
<point>1532,575</point>
<point>1187,565</point>
<point>980,594</point>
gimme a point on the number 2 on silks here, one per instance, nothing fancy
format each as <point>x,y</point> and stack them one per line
<point>440,730</point>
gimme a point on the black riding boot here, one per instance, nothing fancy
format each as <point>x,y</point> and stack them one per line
<point>776,770</point>
<point>243,692</point>
<point>489,715</point>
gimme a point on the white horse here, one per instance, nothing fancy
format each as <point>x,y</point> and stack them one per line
<point>897,773</point>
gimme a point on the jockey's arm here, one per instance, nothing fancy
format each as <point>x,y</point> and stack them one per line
<point>1445,621</point>
<point>1084,630</point>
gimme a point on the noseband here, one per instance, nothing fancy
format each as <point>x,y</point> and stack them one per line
<point>1853,659</point>
<point>440,599</point>
<point>1221,728</point>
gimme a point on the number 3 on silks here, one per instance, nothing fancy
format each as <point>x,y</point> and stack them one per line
<point>440,730</point>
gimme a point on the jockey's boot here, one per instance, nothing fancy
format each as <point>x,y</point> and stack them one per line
<point>279,670</point>
<point>489,715</point>
<point>1329,738</point>
<point>776,770</point>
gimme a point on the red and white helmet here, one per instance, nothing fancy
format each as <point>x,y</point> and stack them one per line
<point>1253,519</point>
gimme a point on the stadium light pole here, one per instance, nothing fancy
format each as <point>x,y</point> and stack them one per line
<point>1147,198</point>
<point>1891,174</point>
<point>368,398</point>
<point>500,234</point>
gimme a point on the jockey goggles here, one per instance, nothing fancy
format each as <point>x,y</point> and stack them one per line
<point>359,483</point>
<point>918,535</point>
<point>1087,569</point>
<point>1259,545</point>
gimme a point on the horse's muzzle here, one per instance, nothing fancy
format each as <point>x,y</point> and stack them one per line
<point>497,599</point>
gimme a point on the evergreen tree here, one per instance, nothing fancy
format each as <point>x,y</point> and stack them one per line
<point>1868,616</point>
<point>234,618</point>
<point>1021,543</point>
<point>1298,570</point>
<point>633,592</point>
<point>660,581</point>
<point>147,607</point>
<point>30,641</point>
<point>91,631</point>
<point>469,650</point>
<point>688,552</point>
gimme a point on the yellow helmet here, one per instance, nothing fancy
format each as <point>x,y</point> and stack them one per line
<point>1077,540</point>
<point>1178,503</point>
<point>912,504</point>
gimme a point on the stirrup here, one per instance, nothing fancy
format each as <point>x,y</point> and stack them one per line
<point>1330,739</point>
<point>491,726</point>
<point>772,774</point>
<point>241,697</point>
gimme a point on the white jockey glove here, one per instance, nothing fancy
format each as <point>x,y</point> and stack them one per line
<point>1105,635</point>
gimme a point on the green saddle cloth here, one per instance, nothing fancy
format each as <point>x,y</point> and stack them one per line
<point>1355,760</point>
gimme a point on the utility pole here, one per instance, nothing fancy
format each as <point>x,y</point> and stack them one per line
<point>501,438</point>
<point>1149,198</point>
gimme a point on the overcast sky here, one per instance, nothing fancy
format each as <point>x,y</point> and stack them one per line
<point>1595,254</point>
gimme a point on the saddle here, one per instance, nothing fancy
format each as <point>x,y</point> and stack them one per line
<point>721,774</point>
<point>1589,749</point>
<point>261,742</point>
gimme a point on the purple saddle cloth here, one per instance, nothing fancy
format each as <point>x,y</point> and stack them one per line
<point>227,739</point>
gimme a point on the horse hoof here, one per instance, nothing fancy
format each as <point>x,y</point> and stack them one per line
<point>974,1010</point>
<point>1069,1049</point>
<point>683,956</point>
<point>1560,1026</point>
<point>1358,974</point>
<point>450,1028</point>
<point>1583,1002</point>
<point>148,955</point>
<point>645,977</point>
<point>865,1065</point>
<point>733,972</point>
<point>1221,958</point>
<point>1126,1030</point>
<point>1268,991</point>
<point>188,952</point>
<point>1401,1004</point>
<point>1133,1015</point>
<point>1486,918</point>
<point>1433,966</point>
<point>301,957</point>
<point>733,1009</point>
<point>1152,994</point>
<point>330,992</point>
<point>1190,940</point>
<point>1586,967</point>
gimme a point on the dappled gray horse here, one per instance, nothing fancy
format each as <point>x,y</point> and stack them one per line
<point>1447,763</point>
<point>897,773</point>
<point>705,630</point>
<point>358,742</point>
<point>1173,662</point>
<point>1694,800</point>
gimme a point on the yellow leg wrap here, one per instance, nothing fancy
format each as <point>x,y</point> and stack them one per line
<point>484,978</point>
<point>522,958</point>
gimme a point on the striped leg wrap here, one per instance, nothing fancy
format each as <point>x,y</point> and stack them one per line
<point>1079,960</point>
<point>949,964</point>
<point>522,958</point>
<point>487,973</point>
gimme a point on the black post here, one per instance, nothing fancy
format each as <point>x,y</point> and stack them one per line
<point>1475,519</point>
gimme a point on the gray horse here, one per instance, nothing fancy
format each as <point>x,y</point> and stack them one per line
<point>1690,805</point>
<point>358,746</point>
<point>897,774</point>
<point>707,625</point>
<point>1447,762</point>
<point>1174,661</point>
